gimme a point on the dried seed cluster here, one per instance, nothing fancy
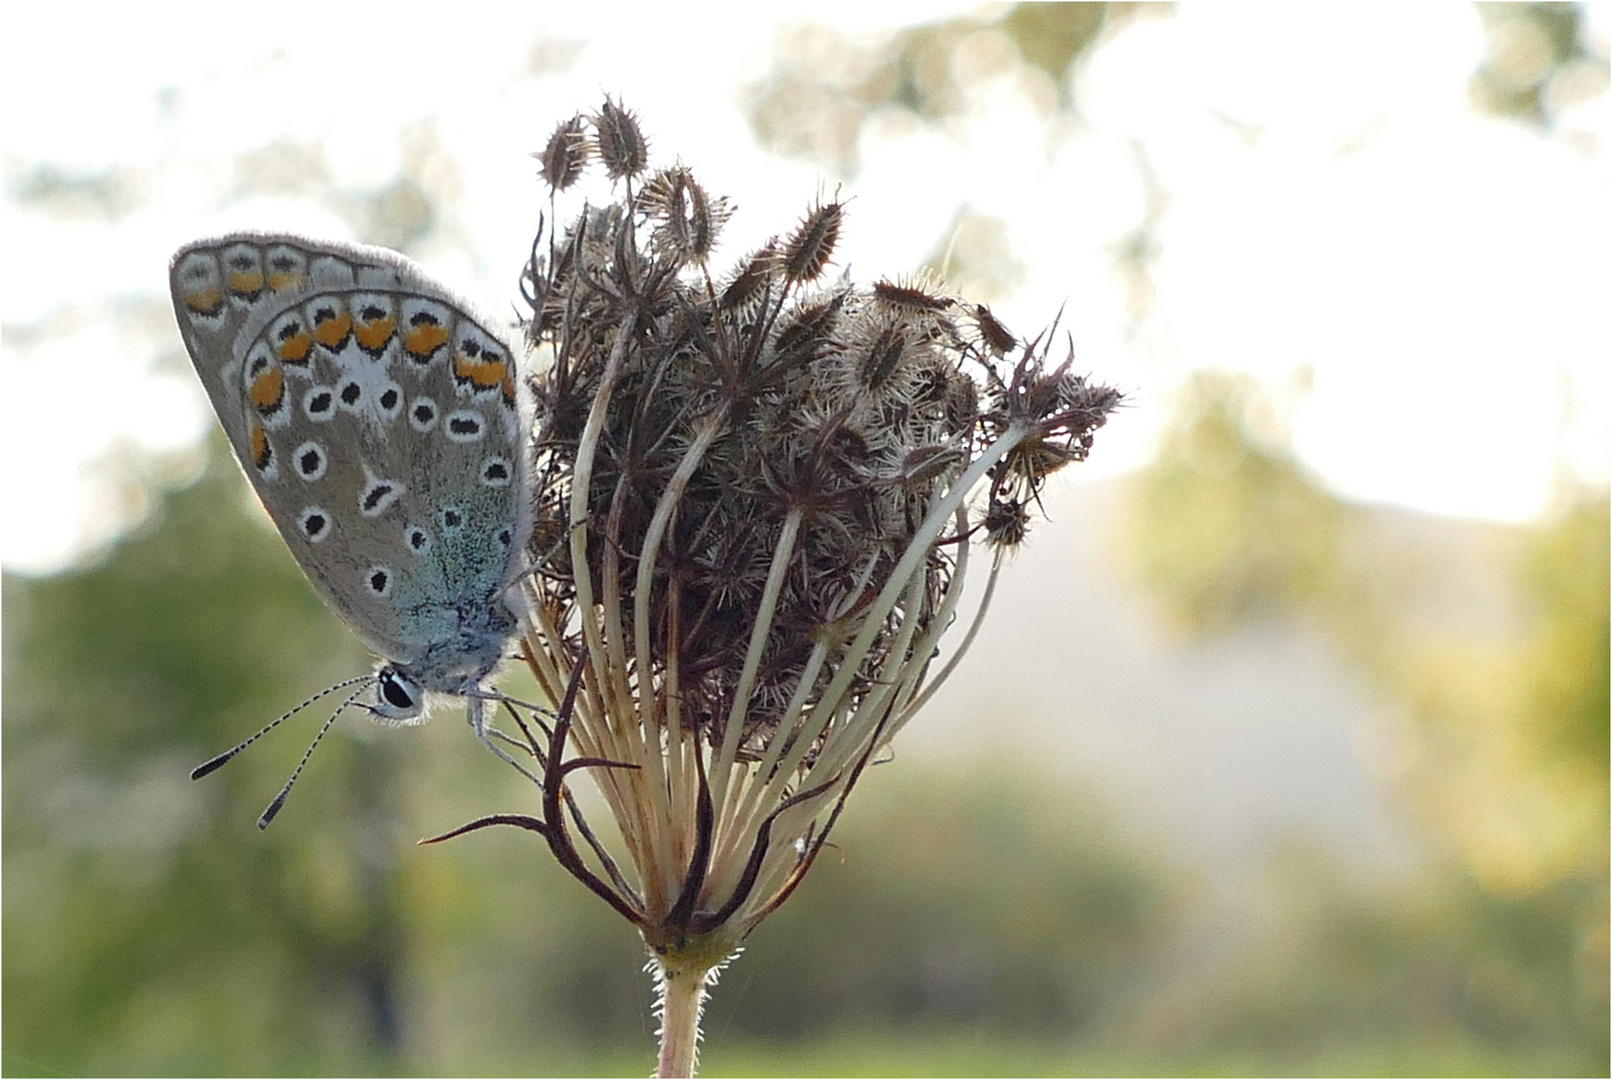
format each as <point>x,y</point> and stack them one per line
<point>756,494</point>
<point>761,449</point>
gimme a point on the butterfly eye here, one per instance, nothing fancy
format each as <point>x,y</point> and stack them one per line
<point>397,696</point>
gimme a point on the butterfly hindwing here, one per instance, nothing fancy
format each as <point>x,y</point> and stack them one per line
<point>380,422</point>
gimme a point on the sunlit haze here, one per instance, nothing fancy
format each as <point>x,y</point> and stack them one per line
<point>1423,288</point>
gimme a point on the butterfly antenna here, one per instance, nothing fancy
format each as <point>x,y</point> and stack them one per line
<point>279,800</point>
<point>213,763</point>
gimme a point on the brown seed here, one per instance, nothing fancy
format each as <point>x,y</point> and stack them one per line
<point>621,142</point>
<point>565,155</point>
<point>810,246</point>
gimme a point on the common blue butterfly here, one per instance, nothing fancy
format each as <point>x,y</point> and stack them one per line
<point>386,431</point>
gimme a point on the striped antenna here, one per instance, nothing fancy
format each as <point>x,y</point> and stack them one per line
<point>279,800</point>
<point>213,763</point>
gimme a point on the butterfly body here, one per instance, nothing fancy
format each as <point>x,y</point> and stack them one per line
<point>385,430</point>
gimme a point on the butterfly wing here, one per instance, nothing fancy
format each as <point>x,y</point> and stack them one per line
<point>382,425</point>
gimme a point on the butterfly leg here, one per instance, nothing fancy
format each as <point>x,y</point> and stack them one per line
<point>476,716</point>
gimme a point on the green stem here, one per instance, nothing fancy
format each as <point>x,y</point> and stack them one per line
<point>682,997</point>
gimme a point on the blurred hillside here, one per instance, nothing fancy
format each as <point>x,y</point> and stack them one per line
<point>1171,816</point>
<point>1223,743</point>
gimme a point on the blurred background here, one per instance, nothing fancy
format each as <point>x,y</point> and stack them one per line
<point>1285,749</point>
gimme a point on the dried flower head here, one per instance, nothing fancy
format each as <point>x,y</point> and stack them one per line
<point>565,155</point>
<point>620,141</point>
<point>686,220</point>
<point>805,252</point>
<point>757,499</point>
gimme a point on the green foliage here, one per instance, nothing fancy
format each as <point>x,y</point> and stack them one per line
<point>1539,58</point>
<point>826,86</point>
<point>150,928</point>
<point>1438,961</point>
<point>1565,573</point>
<point>1052,37</point>
<point>124,885</point>
<point>1231,529</point>
<point>1501,733</point>
<point>1003,903</point>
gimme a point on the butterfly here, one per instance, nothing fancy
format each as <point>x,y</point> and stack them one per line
<point>387,433</point>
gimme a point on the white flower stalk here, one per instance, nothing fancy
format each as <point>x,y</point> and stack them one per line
<point>758,498</point>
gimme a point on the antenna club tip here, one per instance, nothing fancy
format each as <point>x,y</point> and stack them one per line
<point>211,764</point>
<point>273,809</point>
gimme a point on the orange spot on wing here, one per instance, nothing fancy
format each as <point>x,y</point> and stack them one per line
<point>482,374</point>
<point>333,329</point>
<point>423,339</point>
<point>246,282</point>
<point>375,333</point>
<point>281,280</point>
<point>267,390</point>
<point>205,301</point>
<point>509,388</point>
<point>295,348</point>
<point>261,453</point>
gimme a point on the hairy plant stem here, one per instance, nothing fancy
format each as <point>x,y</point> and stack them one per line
<point>684,973</point>
<point>682,996</point>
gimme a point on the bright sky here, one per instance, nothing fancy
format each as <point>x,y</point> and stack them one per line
<point>1330,206</point>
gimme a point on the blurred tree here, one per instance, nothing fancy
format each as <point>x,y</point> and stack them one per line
<point>150,928</point>
<point>1000,901</point>
<point>1501,711</point>
<point>123,883</point>
<point>1539,59</point>
<point>825,88</point>
<point>1438,976</point>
